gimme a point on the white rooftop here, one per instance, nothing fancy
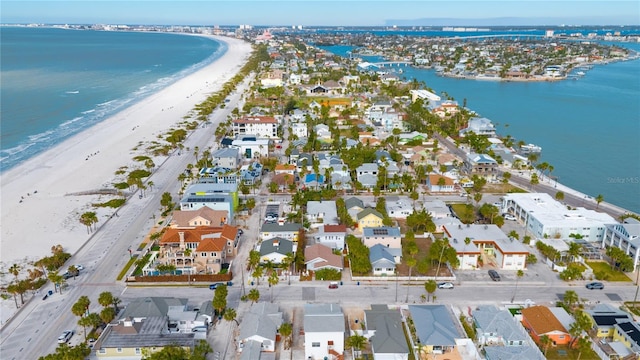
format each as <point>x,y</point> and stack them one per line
<point>552,213</point>
<point>475,232</point>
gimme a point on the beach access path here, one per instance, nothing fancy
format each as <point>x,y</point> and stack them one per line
<point>50,216</point>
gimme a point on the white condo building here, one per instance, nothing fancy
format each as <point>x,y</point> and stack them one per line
<point>625,236</point>
<point>544,217</point>
<point>261,126</point>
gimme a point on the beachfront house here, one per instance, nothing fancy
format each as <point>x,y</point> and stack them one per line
<point>226,157</point>
<point>260,126</point>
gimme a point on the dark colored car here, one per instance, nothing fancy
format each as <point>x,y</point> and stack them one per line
<point>214,286</point>
<point>494,275</point>
<point>595,285</point>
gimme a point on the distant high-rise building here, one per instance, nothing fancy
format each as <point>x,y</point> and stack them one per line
<point>548,33</point>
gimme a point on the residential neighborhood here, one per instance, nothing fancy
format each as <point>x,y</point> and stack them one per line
<point>341,212</point>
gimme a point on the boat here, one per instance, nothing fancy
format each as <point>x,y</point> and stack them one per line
<point>580,73</point>
<point>530,149</point>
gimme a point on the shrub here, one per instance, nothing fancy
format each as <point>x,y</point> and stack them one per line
<point>328,274</point>
<point>114,203</point>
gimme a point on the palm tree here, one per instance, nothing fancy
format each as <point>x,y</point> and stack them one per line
<point>570,297</point>
<point>254,258</point>
<point>258,272</point>
<point>13,290</point>
<point>545,341</point>
<point>107,315</point>
<point>286,330</point>
<point>356,342</point>
<point>230,315</point>
<point>411,262</point>
<point>583,344</point>
<point>599,199</point>
<point>430,287</point>
<point>254,295</point>
<point>273,281</point>
<point>15,270</point>
<point>57,279</point>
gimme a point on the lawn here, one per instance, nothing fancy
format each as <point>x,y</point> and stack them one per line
<point>604,268</point>
<point>565,353</point>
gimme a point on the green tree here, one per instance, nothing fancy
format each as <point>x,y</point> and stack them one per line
<point>91,320</point>
<point>57,279</point>
<point>107,315</point>
<point>583,344</point>
<point>170,352</point>
<point>356,342</point>
<point>430,287</point>
<point>254,295</point>
<point>545,341</point>
<point>560,196</point>
<point>230,315</point>
<point>201,350</point>
<point>286,330</point>
<point>15,270</point>
<point>258,272</point>
<point>273,281</point>
<point>570,298</point>
<point>219,301</point>
<point>66,352</point>
<point>166,201</point>
<point>254,258</point>
<point>599,199</point>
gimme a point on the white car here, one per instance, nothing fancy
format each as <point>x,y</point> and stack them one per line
<point>509,217</point>
<point>65,337</point>
<point>79,267</point>
<point>445,285</point>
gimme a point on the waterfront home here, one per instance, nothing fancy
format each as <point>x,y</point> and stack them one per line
<point>260,324</point>
<point>226,157</point>
<point>202,249</point>
<point>480,164</point>
<point>545,217</point>
<point>273,78</point>
<point>488,242</point>
<point>436,328</point>
<point>324,331</point>
<point>194,199</point>
<point>382,260</point>
<point>540,321</point>
<point>319,257</point>
<point>332,236</point>
<point>479,126</point>
<point>384,328</point>
<point>204,216</point>
<point>276,249</point>
<point>625,236</point>
<point>250,146</point>
<point>425,95</point>
<point>260,126</point>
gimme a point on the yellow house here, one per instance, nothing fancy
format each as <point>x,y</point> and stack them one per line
<point>604,317</point>
<point>628,333</point>
<point>131,339</point>
<point>369,218</point>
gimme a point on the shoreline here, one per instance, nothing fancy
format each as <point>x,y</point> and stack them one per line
<point>37,209</point>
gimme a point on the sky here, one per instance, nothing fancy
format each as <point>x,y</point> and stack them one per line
<point>326,12</point>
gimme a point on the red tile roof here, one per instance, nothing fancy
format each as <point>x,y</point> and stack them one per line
<point>190,235</point>
<point>210,244</point>
<point>335,228</point>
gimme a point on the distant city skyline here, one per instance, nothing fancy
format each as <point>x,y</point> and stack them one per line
<point>324,13</point>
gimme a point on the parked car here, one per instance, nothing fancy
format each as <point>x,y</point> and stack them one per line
<point>79,267</point>
<point>595,285</point>
<point>65,337</point>
<point>215,286</point>
<point>333,285</point>
<point>494,275</point>
<point>445,285</point>
<point>509,217</point>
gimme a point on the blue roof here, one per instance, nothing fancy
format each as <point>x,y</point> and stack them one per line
<point>379,252</point>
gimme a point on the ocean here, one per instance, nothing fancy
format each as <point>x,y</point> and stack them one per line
<point>588,128</point>
<point>58,82</point>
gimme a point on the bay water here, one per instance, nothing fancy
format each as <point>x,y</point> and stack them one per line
<point>588,128</point>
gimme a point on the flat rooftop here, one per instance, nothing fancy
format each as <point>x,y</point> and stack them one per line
<point>550,212</point>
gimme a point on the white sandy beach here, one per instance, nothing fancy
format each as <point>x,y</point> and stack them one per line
<point>34,222</point>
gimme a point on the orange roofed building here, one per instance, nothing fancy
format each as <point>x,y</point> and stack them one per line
<point>540,321</point>
<point>199,250</point>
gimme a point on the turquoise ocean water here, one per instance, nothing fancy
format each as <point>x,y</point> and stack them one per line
<point>589,128</point>
<point>56,82</point>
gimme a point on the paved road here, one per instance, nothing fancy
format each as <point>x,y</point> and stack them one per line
<point>33,331</point>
